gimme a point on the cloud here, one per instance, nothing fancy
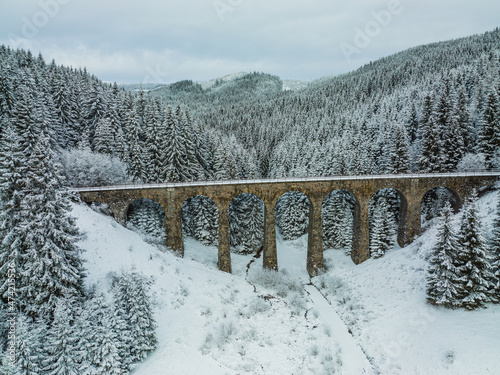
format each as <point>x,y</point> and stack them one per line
<point>202,39</point>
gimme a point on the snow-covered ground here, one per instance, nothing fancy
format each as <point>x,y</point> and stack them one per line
<point>257,322</point>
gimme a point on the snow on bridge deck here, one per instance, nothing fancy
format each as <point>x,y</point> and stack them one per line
<point>291,179</point>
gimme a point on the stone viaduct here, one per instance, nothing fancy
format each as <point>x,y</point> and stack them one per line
<point>411,189</point>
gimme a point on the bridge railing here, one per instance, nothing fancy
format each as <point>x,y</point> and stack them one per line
<point>126,186</point>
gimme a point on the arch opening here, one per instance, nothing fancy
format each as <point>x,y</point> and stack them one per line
<point>292,213</point>
<point>200,220</point>
<point>338,213</point>
<point>148,217</point>
<point>387,221</point>
<point>246,224</point>
<point>433,202</point>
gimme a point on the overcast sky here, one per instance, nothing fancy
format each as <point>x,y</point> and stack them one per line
<point>170,40</point>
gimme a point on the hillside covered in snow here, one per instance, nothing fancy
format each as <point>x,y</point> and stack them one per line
<point>367,319</point>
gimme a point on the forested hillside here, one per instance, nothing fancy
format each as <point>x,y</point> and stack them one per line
<point>430,108</point>
<point>427,109</point>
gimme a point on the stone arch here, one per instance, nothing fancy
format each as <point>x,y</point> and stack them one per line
<point>246,219</point>
<point>148,216</point>
<point>433,200</point>
<point>293,220</point>
<point>350,203</point>
<point>400,212</point>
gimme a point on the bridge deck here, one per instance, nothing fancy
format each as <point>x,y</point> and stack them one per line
<point>291,179</point>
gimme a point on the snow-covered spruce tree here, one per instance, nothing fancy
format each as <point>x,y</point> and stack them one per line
<point>474,264</point>
<point>11,193</point>
<point>494,247</point>
<point>99,340</point>
<point>28,346</point>
<point>456,133</point>
<point>178,149</point>
<point>153,120</point>
<point>206,221</point>
<point>430,157</point>
<point>399,152</point>
<point>489,137</point>
<point>382,228</point>
<point>292,215</point>
<point>148,216</point>
<point>133,306</point>
<point>246,223</point>
<point>433,203</point>
<point>337,219</point>
<point>135,146</point>
<point>445,278</point>
<point>51,267</point>
<point>62,341</point>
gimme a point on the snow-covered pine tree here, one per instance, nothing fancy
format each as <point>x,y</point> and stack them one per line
<point>473,259</point>
<point>135,161</point>
<point>153,152</point>
<point>94,109</point>
<point>445,278</point>
<point>133,306</point>
<point>28,347</point>
<point>62,354</point>
<point>378,233</point>
<point>193,170</point>
<point>430,157</point>
<point>11,193</point>
<point>104,139</point>
<point>456,134</point>
<point>206,221</point>
<point>382,228</point>
<point>292,215</point>
<point>100,340</point>
<point>494,248</point>
<point>489,137</point>
<point>51,266</point>
<point>399,153</point>
<point>246,223</point>
<point>337,219</point>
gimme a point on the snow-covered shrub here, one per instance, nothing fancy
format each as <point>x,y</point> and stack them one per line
<point>225,331</point>
<point>257,305</point>
<point>472,162</point>
<point>314,350</point>
<point>284,285</point>
<point>82,167</point>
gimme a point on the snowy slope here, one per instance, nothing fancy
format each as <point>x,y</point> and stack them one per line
<point>211,322</point>
<point>383,302</point>
<point>265,323</point>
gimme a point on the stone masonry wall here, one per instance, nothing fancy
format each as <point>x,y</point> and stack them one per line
<point>411,191</point>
